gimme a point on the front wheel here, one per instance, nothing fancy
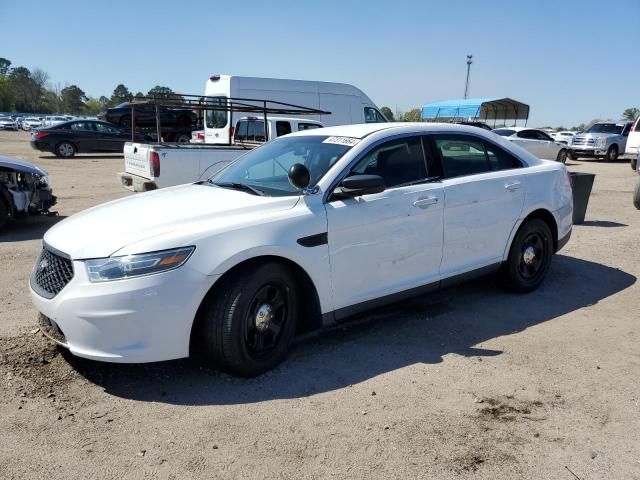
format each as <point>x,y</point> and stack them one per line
<point>562,156</point>
<point>572,155</point>
<point>183,138</point>
<point>248,324</point>
<point>636,196</point>
<point>529,257</point>
<point>125,122</point>
<point>4,215</point>
<point>612,154</point>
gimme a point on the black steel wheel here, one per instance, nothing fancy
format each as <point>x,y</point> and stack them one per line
<point>248,323</point>
<point>529,257</point>
<point>183,138</point>
<point>612,154</point>
<point>65,149</point>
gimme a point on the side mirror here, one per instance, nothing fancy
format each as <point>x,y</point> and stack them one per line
<point>357,185</point>
<point>299,175</point>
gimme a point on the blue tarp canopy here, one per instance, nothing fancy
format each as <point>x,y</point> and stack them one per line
<point>481,109</point>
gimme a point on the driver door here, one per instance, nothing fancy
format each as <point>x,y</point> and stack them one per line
<point>384,243</point>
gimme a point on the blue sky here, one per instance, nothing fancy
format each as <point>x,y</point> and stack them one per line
<point>570,61</point>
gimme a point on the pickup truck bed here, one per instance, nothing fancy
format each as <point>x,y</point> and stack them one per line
<point>148,167</point>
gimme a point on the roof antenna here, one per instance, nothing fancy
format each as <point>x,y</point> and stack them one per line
<point>466,87</point>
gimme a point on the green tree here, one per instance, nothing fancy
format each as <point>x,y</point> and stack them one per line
<point>93,105</point>
<point>119,95</point>
<point>164,93</point>
<point>386,111</point>
<point>5,65</point>
<point>6,95</point>
<point>631,114</point>
<point>414,115</point>
<point>26,91</point>
<point>139,94</point>
<point>72,99</point>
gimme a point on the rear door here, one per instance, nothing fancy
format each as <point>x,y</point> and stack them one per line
<point>484,194</point>
<point>109,138</point>
<point>528,140</point>
<point>83,135</point>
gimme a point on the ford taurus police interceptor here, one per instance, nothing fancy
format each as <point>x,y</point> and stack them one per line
<point>297,234</point>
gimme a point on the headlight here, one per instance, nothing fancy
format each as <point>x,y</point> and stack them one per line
<point>601,142</point>
<point>117,268</point>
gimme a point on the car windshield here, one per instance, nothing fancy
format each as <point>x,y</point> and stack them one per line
<point>605,128</point>
<point>504,132</point>
<point>265,169</point>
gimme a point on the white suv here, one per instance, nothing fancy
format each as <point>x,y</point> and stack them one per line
<point>299,233</point>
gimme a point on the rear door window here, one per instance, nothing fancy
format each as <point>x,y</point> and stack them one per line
<point>500,159</point>
<point>82,126</point>
<point>307,126</point>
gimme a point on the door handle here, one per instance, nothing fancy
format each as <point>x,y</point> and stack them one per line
<point>512,187</point>
<point>425,202</point>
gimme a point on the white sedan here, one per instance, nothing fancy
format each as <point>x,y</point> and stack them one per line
<point>300,233</point>
<point>564,136</point>
<point>535,141</point>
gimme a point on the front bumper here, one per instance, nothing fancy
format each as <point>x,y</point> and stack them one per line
<point>136,183</point>
<point>136,320</point>
<point>588,151</point>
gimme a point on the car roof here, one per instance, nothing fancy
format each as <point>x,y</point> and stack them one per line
<point>362,130</point>
<point>288,119</point>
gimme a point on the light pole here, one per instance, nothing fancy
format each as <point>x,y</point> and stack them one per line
<point>466,86</point>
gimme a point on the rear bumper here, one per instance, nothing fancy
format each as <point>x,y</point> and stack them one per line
<point>43,147</point>
<point>136,183</point>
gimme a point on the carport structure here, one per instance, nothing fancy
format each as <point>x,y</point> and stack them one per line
<point>476,110</point>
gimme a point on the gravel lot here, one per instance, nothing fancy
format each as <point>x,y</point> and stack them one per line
<point>467,383</point>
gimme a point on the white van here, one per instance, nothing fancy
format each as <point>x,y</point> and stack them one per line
<point>633,140</point>
<point>346,103</point>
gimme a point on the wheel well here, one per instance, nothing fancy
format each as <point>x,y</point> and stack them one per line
<point>310,314</point>
<point>548,218</point>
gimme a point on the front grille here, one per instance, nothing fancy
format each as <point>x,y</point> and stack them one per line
<point>583,141</point>
<point>51,273</point>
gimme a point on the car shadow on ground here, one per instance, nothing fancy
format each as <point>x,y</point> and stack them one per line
<point>422,330</point>
<point>602,223</point>
<point>28,228</point>
<point>83,156</point>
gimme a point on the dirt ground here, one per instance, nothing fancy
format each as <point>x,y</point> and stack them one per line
<point>471,382</point>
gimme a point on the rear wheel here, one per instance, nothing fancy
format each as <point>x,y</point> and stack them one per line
<point>529,257</point>
<point>612,154</point>
<point>65,150</point>
<point>248,325</point>
<point>636,196</point>
<point>183,138</point>
<point>562,156</point>
<point>125,122</point>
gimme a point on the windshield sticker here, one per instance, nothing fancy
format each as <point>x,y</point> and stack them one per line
<point>348,141</point>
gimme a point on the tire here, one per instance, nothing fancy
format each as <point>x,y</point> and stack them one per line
<point>65,149</point>
<point>572,155</point>
<point>521,272</point>
<point>4,215</point>
<point>230,332</point>
<point>183,138</point>
<point>125,122</point>
<point>562,156</point>
<point>634,163</point>
<point>636,196</point>
<point>612,154</point>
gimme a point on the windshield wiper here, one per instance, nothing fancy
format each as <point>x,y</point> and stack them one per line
<point>239,186</point>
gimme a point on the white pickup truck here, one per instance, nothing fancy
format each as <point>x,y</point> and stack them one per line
<point>153,166</point>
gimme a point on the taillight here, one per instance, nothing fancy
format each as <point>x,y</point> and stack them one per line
<point>155,164</point>
<point>200,136</point>
<point>39,135</point>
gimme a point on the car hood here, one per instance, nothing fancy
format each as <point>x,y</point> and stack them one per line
<point>183,211</point>
<point>21,166</point>
<point>596,135</point>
